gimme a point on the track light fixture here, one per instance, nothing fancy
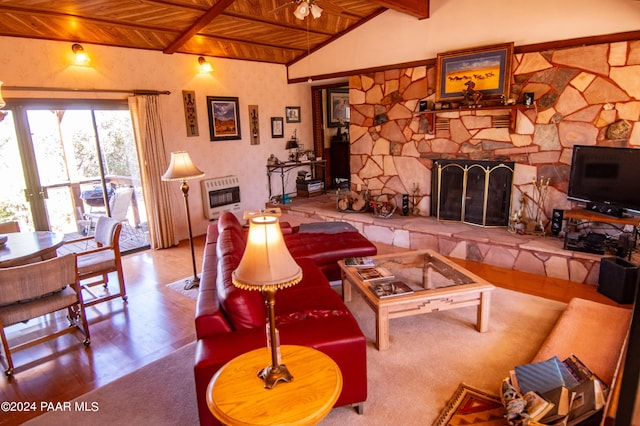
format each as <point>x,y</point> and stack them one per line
<point>205,67</point>
<point>81,56</point>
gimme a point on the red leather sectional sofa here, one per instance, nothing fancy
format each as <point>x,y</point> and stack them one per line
<point>230,321</point>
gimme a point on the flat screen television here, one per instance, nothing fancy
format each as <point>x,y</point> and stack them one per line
<point>606,179</point>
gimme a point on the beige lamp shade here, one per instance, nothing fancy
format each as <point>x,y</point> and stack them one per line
<point>181,167</point>
<point>266,262</point>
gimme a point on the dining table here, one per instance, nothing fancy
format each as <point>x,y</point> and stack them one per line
<point>22,248</point>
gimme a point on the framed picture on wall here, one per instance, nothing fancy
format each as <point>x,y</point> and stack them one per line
<point>338,112</point>
<point>486,69</point>
<point>224,118</point>
<point>277,127</point>
<point>293,114</point>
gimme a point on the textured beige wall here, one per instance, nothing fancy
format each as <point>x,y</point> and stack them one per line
<point>38,63</point>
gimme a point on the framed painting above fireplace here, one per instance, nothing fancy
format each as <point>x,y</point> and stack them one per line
<point>488,68</point>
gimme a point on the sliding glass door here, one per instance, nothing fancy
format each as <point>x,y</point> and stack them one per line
<point>74,157</point>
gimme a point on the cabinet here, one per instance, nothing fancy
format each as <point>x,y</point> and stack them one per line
<point>339,158</point>
<point>578,235</point>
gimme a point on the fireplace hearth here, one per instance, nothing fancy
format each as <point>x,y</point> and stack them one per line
<point>477,192</point>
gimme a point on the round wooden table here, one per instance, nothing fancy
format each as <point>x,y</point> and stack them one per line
<point>236,395</point>
<point>28,247</point>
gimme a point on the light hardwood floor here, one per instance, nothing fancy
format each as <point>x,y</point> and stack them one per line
<point>156,321</point>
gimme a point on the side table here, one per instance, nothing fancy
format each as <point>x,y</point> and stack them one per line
<point>236,395</point>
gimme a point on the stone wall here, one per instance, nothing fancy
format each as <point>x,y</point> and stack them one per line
<point>583,96</point>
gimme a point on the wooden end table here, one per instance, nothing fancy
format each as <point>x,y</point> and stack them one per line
<point>438,283</point>
<point>236,395</point>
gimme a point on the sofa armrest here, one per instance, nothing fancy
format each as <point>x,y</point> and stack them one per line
<point>593,331</point>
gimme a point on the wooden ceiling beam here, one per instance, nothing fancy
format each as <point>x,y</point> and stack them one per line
<point>417,8</point>
<point>204,20</point>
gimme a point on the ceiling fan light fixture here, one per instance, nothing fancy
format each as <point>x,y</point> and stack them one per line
<point>316,11</point>
<point>302,10</point>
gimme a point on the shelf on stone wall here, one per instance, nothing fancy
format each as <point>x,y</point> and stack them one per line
<point>497,121</point>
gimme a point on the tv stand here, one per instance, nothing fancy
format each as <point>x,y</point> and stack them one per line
<point>577,217</point>
<point>605,209</point>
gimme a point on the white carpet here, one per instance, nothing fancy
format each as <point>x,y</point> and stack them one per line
<point>409,384</point>
<point>178,286</point>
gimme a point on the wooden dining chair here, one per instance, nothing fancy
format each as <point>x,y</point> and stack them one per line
<point>37,289</point>
<point>12,226</point>
<point>102,258</point>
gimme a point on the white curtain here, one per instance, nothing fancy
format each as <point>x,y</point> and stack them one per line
<point>145,112</point>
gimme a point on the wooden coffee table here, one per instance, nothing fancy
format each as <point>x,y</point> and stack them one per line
<point>438,284</point>
<point>236,395</point>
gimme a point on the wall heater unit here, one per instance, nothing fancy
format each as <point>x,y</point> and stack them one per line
<point>220,195</point>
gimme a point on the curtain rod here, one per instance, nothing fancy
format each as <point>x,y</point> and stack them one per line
<point>62,89</point>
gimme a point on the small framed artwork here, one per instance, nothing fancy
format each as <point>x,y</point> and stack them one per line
<point>487,70</point>
<point>527,98</point>
<point>338,112</point>
<point>254,117</point>
<point>277,127</point>
<point>224,118</point>
<point>190,114</point>
<point>293,114</point>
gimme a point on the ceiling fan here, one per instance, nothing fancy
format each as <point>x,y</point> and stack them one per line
<point>305,7</point>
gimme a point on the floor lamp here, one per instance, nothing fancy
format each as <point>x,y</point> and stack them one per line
<point>182,168</point>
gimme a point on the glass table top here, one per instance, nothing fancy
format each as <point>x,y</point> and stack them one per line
<point>424,271</point>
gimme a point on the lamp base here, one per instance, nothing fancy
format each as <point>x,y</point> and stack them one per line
<point>271,375</point>
<point>190,283</point>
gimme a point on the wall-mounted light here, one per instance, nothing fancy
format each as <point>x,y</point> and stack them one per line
<point>205,67</point>
<point>81,56</point>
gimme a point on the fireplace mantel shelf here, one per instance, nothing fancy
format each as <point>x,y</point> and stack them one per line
<point>440,119</point>
<point>475,110</point>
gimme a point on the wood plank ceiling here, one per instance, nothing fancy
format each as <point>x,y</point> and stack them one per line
<point>255,30</point>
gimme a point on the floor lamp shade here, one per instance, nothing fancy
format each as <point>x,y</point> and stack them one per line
<point>181,168</point>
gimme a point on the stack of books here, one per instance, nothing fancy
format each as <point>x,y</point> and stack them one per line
<point>554,392</point>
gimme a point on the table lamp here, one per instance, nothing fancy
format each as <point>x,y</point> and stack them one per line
<point>292,144</point>
<point>182,168</point>
<point>267,265</point>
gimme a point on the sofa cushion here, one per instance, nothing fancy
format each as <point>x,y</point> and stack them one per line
<point>243,308</point>
<point>303,302</point>
<point>228,221</point>
<point>326,248</point>
<point>231,242</point>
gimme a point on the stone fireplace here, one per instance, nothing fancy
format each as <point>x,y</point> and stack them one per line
<point>472,191</point>
<point>580,98</point>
